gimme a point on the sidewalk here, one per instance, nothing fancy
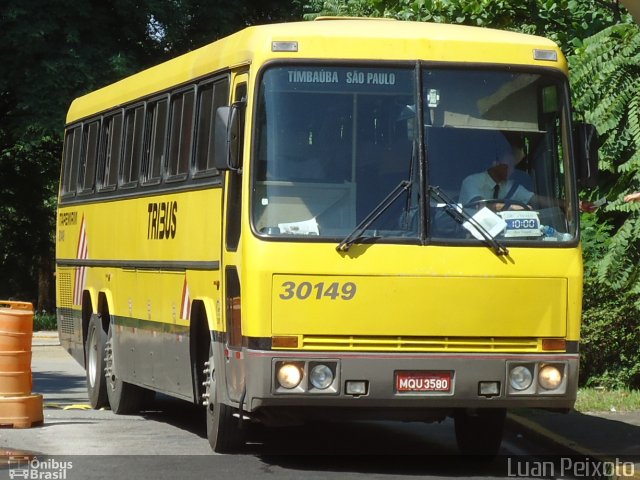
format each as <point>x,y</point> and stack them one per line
<point>612,437</point>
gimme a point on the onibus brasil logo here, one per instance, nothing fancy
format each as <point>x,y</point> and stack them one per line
<point>27,467</point>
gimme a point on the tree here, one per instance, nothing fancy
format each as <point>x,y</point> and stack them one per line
<point>50,52</point>
<point>54,51</point>
<point>606,79</point>
<point>564,21</point>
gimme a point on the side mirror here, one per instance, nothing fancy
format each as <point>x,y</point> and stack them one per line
<point>228,139</point>
<point>585,137</point>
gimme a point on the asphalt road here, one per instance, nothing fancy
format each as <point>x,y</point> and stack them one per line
<point>169,441</point>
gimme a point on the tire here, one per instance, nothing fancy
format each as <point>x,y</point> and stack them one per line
<point>223,429</point>
<point>124,398</point>
<point>95,363</point>
<point>480,433</point>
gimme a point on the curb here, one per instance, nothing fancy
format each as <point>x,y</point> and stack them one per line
<point>566,445</point>
<point>45,338</point>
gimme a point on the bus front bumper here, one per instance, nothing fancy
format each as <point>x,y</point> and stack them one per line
<point>396,382</point>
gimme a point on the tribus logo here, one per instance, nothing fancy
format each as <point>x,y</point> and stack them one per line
<point>163,221</point>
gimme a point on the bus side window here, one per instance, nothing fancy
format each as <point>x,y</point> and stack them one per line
<point>109,152</point>
<point>210,97</point>
<point>89,157</point>
<point>133,136</point>
<point>181,134</point>
<point>154,142</point>
<point>72,147</point>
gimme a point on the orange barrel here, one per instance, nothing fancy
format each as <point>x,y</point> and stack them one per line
<point>15,341</point>
<point>16,331</point>
<point>16,317</point>
<point>21,412</point>
<point>18,407</point>
<point>15,383</point>
<point>19,361</point>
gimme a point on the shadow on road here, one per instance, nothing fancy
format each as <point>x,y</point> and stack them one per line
<point>60,387</point>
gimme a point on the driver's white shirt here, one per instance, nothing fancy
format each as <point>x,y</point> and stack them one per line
<point>480,186</point>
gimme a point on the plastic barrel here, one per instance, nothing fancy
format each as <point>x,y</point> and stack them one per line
<point>23,411</point>
<point>19,408</point>
<point>16,317</point>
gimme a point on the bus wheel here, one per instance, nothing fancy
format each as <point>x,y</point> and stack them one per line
<point>124,398</point>
<point>223,429</point>
<point>480,432</point>
<point>95,363</point>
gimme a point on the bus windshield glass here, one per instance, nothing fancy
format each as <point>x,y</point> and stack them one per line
<point>333,144</point>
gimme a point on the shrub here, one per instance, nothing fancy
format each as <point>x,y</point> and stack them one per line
<point>44,321</point>
<point>610,356</point>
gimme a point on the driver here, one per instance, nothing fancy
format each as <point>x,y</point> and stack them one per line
<point>497,182</point>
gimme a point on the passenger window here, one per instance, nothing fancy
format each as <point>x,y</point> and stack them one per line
<point>72,147</point>
<point>181,134</point>
<point>109,152</point>
<point>155,136</point>
<point>210,97</point>
<point>133,136</point>
<point>89,157</point>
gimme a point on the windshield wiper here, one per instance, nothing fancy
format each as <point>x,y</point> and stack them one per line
<point>460,216</point>
<point>357,233</point>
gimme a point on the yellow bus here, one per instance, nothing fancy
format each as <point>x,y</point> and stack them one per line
<point>292,224</point>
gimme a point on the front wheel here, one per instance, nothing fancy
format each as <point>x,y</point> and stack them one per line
<point>480,432</point>
<point>95,363</point>
<point>223,428</point>
<point>124,398</point>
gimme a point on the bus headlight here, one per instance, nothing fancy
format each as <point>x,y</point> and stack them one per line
<point>289,375</point>
<point>549,377</point>
<point>520,378</point>
<point>321,377</point>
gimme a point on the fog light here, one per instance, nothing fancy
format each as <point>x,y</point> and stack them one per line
<point>289,376</point>
<point>356,387</point>
<point>520,378</point>
<point>489,389</point>
<point>549,377</point>
<point>321,377</point>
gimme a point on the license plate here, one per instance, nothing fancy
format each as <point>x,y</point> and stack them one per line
<point>424,381</point>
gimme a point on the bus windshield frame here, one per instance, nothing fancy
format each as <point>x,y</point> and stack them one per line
<point>331,142</point>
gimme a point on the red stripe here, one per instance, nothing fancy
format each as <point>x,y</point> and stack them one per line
<point>185,307</point>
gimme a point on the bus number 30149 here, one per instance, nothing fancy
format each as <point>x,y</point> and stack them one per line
<point>318,291</point>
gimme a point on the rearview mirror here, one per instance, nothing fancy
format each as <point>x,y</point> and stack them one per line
<point>585,137</point>
<point>228,137</point>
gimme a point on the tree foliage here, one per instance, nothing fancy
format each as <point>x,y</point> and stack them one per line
<point>606,82</point>
<point>606,79</point>
<point>54,51</point>
<point>564,21</point>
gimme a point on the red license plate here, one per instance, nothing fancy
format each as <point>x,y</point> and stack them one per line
<point>423,381</point>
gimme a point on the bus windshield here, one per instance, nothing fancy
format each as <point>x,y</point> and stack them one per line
<point>334,143</point>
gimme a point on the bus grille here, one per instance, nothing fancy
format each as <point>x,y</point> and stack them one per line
<point>65,322</point>
<point>65,291</point>
<point>421,344</point>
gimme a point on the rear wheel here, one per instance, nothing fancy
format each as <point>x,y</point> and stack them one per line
<point>95,363</point>
<point>124,398</point>
<point>480,432</point>
<point>223,428</point>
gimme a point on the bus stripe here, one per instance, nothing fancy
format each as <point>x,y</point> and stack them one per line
<point>81,272</point>
<point>185,307</point>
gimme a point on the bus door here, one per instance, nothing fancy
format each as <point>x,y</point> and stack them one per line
<point>231,311</point>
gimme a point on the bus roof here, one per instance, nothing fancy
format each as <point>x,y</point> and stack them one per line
<point>329,39</point>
